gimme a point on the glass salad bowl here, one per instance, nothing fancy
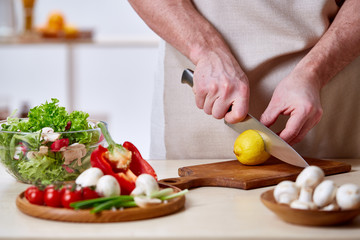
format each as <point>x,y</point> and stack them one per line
<point>45,156</point>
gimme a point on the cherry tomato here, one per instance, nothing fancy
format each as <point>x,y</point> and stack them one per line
<point>52,196</point>
<point>70,196</point>
<point>34,195</point>
<point>89,193</point>
<point>30,190</point>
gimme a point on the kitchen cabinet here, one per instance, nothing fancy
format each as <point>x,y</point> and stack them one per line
<point>209,213</point>
<point>110,78</point>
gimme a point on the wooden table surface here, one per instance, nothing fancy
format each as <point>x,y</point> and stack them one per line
<point>210,213</point>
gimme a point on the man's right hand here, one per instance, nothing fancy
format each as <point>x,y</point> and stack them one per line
<point>220,83</point>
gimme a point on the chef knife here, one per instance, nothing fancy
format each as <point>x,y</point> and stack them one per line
<point>274,144</point>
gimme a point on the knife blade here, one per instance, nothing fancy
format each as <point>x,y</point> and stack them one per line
<point>275,145</point>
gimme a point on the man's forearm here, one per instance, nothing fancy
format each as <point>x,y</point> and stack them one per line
<point>181,25</point>
<point>338,47</point>
<point>219,81</point>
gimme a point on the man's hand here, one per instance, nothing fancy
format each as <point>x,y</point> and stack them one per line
<point>298,95</point>
<point>220,83</point>
<point>299,98</point>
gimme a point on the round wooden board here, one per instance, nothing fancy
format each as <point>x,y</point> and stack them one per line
<point>307,217</point>
<point>84,216</point>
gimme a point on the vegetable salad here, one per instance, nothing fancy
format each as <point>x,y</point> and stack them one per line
<point>50,145</point>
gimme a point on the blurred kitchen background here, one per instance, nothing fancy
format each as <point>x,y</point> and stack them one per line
<point>104,63</point>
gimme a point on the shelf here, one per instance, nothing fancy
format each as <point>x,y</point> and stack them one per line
<point>125,41</point>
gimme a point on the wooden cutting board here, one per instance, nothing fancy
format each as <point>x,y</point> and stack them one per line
<point>233,174</point>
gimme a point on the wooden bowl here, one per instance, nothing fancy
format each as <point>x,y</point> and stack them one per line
<point>307,217</point>
<point>127,214</point>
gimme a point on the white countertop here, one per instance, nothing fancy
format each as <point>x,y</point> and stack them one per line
<point>209,213</point>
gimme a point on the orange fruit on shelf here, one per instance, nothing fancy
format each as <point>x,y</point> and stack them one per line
<point>56,21</point>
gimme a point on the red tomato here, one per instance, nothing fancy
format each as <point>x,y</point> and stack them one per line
<point>49,187</point>
<point>89,193</point>
<point>70,196</point>
<point>34,195</point>
<point>52,197</point>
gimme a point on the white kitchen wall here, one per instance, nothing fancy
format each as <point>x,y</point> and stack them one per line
<point>112,82</point>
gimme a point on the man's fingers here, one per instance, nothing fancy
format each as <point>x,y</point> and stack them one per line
<point>310,123</point>
<point>302,133</point>
<point>270,115</point>
<point>239,110</point>
<point>220,108</point>
<point>293,127</point>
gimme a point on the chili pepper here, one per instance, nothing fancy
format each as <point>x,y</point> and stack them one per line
<point>138,165</point>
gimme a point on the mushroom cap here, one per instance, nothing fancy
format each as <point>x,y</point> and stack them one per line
<point>145,184</point>
<point>297,204</point>
<point>310,177</point>
<point>331,207</point>
<point>348,196</point>
<point>324,193</point>
<point>47,130</point>
<point>89,177</point>
<point>108,186</point>
<point>286,192</point>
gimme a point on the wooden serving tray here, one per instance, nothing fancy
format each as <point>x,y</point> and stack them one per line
<point>84,215</point>
<point>233,174</point>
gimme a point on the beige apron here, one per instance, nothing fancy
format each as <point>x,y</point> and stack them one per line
<point>268,38</point>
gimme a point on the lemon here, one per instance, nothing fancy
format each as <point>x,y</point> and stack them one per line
<point>249,148</point>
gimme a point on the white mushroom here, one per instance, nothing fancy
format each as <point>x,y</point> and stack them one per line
<point>331,207</point>
<point>324,193</point>
<point>144,202</point>
<point>73,152</point>
<point>348,196</point>
<point>89,177</point>
<point>286,192</point>
<point>48,135</point>
<point>108,186</point>
<point>43,150</point>
<point>145,184</point>
<point>297,204</point>
<point>307,180</point>
<point>18,152</point>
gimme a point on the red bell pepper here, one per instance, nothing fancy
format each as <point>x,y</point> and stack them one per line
<point>98,159</point>
<point>138,165</point>
<point>124,162</point>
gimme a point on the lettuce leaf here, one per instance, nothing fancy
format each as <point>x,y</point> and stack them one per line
<point>44,169</point>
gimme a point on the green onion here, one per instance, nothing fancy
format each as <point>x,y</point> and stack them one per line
<point>96,201</point>
<point>125,201</point>
<point>126,204</point>
<point>162,193</point>
<point>173,195</point>
<point>120,202</point>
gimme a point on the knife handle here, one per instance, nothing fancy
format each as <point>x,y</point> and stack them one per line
<point>187,78</point>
